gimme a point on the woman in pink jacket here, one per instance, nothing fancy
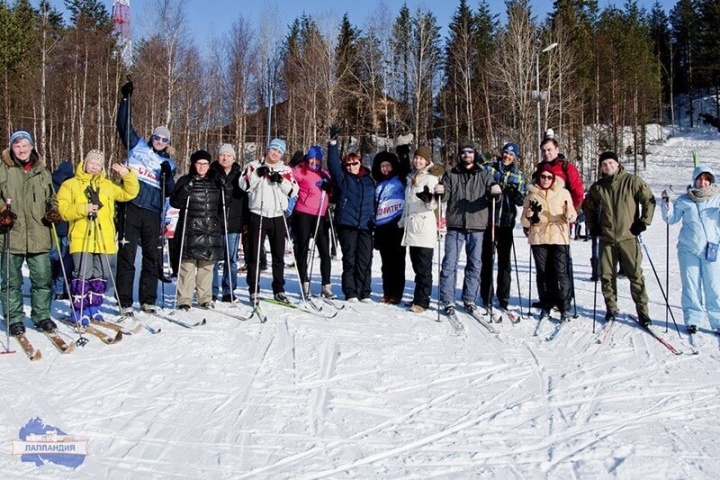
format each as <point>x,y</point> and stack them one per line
<point>309,219</point>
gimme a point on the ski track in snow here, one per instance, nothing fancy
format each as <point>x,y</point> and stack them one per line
<point>379,392</point>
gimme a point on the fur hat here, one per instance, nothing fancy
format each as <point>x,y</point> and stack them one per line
<point>95,156</point>
<point>200,155</point>
<point>279,145</point>
<point>227,148</point>
<point>466,144</point>
<point>21,134</point>
<point>162,131</point>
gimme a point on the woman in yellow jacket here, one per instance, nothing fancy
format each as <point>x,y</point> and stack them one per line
<point>547,214</point>
<point>87,203</point>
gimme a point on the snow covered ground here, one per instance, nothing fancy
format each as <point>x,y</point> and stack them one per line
<point>379,392</point>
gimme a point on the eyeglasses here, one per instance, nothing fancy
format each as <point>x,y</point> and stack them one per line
<point>202,164</point>
<point>352,164</point>
<point>547,177</point>
<point>467,151</point>
<point>160,138</point>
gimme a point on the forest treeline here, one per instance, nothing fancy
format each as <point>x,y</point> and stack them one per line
<point>583,71</point>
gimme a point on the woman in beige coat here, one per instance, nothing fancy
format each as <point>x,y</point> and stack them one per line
<point>547,212</point>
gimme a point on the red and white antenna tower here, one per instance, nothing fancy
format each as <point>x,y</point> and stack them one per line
<point>121,22</point>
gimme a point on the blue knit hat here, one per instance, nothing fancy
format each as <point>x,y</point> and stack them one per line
<point>279,145</point>
<point>21,134</point>
<point>512,148</point>
<point>315,152</point>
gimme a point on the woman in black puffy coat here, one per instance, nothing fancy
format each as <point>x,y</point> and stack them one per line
<point>199,230</point>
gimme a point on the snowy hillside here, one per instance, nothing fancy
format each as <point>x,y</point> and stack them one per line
<point>379,392</point>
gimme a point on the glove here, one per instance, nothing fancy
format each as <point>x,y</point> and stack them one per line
<point>334,131</point>
<point>482,158</point>
<point>7,220</point>
<point>165,169</point>
<point>403,151</point>
<point>425,195</point>
<point>665,195</point>
<point>53,216</point>
<point>127,90</point>
<point>275,177</point>
<point>511,190</point>
<point>220,180</point>
<point>536,208</point>
<point>439,189</point>
<point>93,196</point>
<point>262,171</point>
<point>637,227</point>
<point>324,185</point>
<point>297,158</point>
<point>495,190</point>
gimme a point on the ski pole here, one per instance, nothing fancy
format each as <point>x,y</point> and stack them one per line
<point>517,275</point>
<point>182,245</point>
<point>657,277</point>
<point>596,254</point>
<point>7,287</point>
<point>439,240</point>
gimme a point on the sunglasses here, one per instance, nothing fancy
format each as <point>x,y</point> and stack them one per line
<point>160,138</point>
<point>352,164</point>
<point>467,152</point>
<point>547,177</point>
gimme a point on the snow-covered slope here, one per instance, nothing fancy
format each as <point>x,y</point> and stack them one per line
<point>379,392</point>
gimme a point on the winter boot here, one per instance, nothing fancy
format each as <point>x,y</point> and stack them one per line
<point>692,329</point>
<point>450,309</point>
<point>328,293</point>
<point>281,297</point>
<point>17,328</point>
<point>610,316</point>
<point>645,321</point>
<point>46,325</point>
<point>544,314</point>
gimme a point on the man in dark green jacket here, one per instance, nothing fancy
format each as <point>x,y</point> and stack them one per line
<point>618,208</point>
<point>25,180</point>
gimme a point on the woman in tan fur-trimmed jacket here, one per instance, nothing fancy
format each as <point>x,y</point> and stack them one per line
<point>547,212</point>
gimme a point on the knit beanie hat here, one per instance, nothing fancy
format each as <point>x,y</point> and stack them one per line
<point>227,148</point>
<point>608,156</point>
<point>95,156</point>
<point>200,155</point>
<point>21,134</point>
<point>279,145</point>
<point>424,152</point>
<point>162,131</point>
<point>315,152</point>
<point>511,148</point>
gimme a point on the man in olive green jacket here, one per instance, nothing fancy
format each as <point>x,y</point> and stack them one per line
<point>27,210</point>
<point>618,208</point>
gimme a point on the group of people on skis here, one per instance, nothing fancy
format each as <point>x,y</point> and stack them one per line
<point>394,206</point>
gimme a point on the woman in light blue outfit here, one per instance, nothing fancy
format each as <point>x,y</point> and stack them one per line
<point>699,210</point>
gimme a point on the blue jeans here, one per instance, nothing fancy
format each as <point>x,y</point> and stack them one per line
<point>58,279</point>
<point>454,242</point>
<point>229,269</point>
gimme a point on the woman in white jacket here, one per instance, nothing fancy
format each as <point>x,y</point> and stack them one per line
<point>699,211</point>
<point>420,224</point>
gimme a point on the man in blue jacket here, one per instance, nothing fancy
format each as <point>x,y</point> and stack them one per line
<point>140,218</point>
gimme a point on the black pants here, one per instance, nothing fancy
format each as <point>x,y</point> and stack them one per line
<point>388,241</point>
<point>504,240</point>
<point>553,282</point>
<point>137,224</point>
<point>422,263</point>
<point>356,246</point>
<point>274,230</point>
<point>303,229</point>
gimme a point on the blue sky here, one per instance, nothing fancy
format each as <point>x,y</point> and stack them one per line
<point>207,18</point>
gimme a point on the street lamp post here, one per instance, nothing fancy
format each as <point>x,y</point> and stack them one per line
<point>538,93</point>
